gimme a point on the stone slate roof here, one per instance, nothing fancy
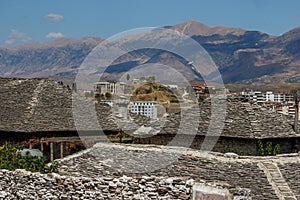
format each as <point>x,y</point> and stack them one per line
<point>243,120</point>
<point>252,173</point>
<point>36,105</point>
<point>291,172</point>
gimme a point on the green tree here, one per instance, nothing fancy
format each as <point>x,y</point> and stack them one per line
<point>98,96</point>
<point>108,95</point>
<point>149,91</point>
<point>206,90</point>
<point>12,159</point>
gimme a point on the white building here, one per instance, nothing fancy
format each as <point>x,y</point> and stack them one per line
<point>110,87</point>
<point>287,97</point>
<point>259,97</point>
<point>292,110</point>
<point>108,102</point>
<point>171,86</point>
<point>136,81</point>
<point>145,108</point>
<point>270,97</point>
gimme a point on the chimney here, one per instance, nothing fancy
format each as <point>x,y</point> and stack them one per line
<point>296,114</point>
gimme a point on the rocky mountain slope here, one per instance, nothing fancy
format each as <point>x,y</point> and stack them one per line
<point>242,56</point>
<point>58,59</point>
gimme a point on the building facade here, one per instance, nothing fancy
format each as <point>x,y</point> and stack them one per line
<point>257,97</point>
<point>145,108</point>
<point>109,87</point>
<point>261,98</point>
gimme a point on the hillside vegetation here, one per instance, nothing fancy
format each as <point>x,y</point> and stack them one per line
<point>154,92</point>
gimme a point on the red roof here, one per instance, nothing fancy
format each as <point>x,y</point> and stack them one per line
<point>197,85</point>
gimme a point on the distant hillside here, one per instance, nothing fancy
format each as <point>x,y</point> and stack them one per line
<point>276,87</point>
<point>249,56</point>
<point>57,60</point>
<point>154,92</point>
<point>242,56</point>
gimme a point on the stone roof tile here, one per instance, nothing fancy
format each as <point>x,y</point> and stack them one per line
<point>36,105</point>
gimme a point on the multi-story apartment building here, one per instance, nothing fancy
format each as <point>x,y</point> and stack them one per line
<point>257,97</point>
<point>110,87</point>
<point>145,108</point>
<point>270,97</point>
<point>261,98</point>
<point>292,110</point>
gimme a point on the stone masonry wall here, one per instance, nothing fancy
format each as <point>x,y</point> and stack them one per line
<point>21,184</point>
<point>223,144</point>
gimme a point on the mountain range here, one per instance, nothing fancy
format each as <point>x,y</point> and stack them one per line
<point>242,56</point>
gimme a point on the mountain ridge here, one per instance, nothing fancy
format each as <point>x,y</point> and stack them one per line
<point>192,27</point>
<point>242,56</point>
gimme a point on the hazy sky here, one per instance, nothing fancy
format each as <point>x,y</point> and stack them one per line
<point>24,21</point>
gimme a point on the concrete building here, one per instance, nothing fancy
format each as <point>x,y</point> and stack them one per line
<point>261,98</point>
<point>145,108</point>
<point>171,86</point>
<point>288,97</point>
<point>108,102</point>
<point>292,110</point>
<point>111,87</point>
<point>270,97</point>
<point>258,97</point>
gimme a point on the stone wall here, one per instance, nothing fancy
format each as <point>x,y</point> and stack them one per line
<point>241,146</point>
<point>53,186</point>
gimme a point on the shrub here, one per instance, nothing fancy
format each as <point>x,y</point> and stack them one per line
<point>234,150</point>
<point>11,159</point>
<point>225,149</point>
<point>276,149</point>
<point>108,95</point>
<point>241,152</point>
<point>269,148</point>
<point>249,152</point>
<point>261,149</point>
